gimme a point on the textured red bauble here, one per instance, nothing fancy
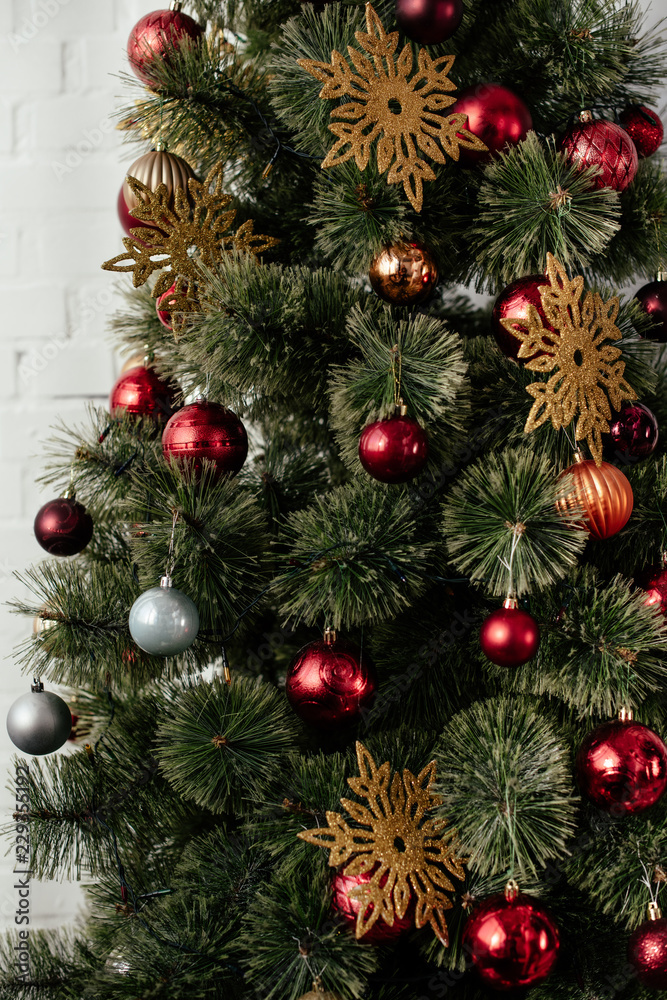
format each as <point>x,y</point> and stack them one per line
<point>495,115</point>
<point>513,303</point>
<point>511,942</point>
<point>654,581</point>
<point>509,636</point>
<point>142,393</point>
<point>647,953</point>
<point>604,495</point>
<point>157,37</point>
<point>349,908</point>
<point>330,682</point>
<point>393,450</point>
<point>429,21</point>
<point>622,767</point>
<point>204,430</point>
<point>602,144</point>
<point>63,527</point>
<point>652,297</point>
<point>644,128</point>
<point>633,432</point>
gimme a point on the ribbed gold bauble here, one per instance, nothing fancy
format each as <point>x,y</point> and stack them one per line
<point>603,492</point>
<point>158,167</point>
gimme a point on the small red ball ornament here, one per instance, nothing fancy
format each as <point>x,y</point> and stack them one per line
<point>654,581</point>
<point>622,766</point>
<point>602,144</point>
<point>644,128</point>
<point>348,909</point>
<point>63,527</point>
<point>204,430</point>
<point>142,393</point>
<point>652,297</point>
<point>647,950</point>
<point>509,636</point>
<point>513,303</point>
<point>604,494</point>
<point>429,22</point>
<point>394,450</point>
<point>330,682</point>
<point>633,432</point>
<point>496,116</point>
<point>512,940</point>
<point>156,37</point>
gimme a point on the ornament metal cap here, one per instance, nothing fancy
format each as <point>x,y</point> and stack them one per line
<point>511,890</point>
<point>329,635</point>
<point>585,116</point>
<point>176,5</point>
<point>400,409</point>
<point>654,911</point>
<point>510,603</point>
<point>36,685</point>
<point>661,276</point>
<point>626,714</point>
<point>166,582</point>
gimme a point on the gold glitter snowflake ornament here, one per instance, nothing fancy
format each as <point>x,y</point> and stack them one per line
<point>401,112</point>
<point>588,372</point>
<point>406,854</point>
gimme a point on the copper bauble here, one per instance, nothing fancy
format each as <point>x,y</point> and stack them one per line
<point>63,527</point>
<point>647,951</point>
<point>394,450</point>
<point>403,274</point>
<point>622,767</point>
<point>604,494</point>
<point>330,682</point>
<point>513,303</point>
<point>140,392</point>
<point>206,430</point>
<point>644,128</point>
<point>495,115</point>
<point>155,168</point>
<point>602,144</point>
<point>509,636</point>
<point>347,909</point>
<point>157,37</point>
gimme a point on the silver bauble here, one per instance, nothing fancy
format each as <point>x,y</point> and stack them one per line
<point>39,722</point>
<point>163,620</point>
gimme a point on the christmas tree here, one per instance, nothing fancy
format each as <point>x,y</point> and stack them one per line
<point>357,590</point>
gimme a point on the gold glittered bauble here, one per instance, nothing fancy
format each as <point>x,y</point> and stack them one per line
<point>603,493</point>
<point>136,361</point>
<point>155,168</point>
<point>403,274</point>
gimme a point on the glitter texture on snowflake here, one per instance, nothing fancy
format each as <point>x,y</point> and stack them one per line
<point>588,372</point>
<point>403,113</point>
<point>406,854</point>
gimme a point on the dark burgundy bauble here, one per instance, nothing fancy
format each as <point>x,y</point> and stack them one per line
<point>63,527</point>
<point>348,909</point>
<point>602,144</point>
<point>513,303</point>
<point>652,297</point>
<point>654,581</point>
<point>512,943</point>
<point>204,430</point>
<point>495,115</point>
<point>509,636</point>
<point>156,37</point>
<point>429,22</point>
<point>647,953</point>
<point>393,450</point>
<point>633,432</point>
<point>330,683</point>
<point>644,128</point>
<point>622,767</point>
<point>142,393</point>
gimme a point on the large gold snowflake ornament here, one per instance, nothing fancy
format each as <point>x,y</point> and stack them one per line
<point>406,853</point>
<point>401,112</point>
<point>588,372</point>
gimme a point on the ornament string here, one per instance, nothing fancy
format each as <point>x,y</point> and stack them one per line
<point>517,531</point>
<point>396,361</point>
<point>171,559</point>
<point>650,884</point>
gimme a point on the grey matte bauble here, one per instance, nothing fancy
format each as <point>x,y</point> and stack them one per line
<point>39,722</point>
<point>164,621</point>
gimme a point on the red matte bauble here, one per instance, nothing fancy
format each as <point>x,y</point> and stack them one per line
<point>603,494</point>
<point>429,22</point>
<point>622,767</point>
<point>513,303</point>
<point>349,908</point>
<point>204,430</point>
<point>633,432</point>
<point>142,393</point>
<point>509,637</point>
<point>647,953</point>
<point>63,527</point>
<point>393,450</point>
<point>157,37</point>
<point>606,145</point>
<point>511,943</point>
<point>652,297</point>
<point>495,115</point>
<point>330,683</point>
<point>654,581</point>
<point>644,128</point>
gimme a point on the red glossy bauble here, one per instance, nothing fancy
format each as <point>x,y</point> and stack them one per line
<point>349,908</point>
<point>429,22</point>
<point>647,953</point>
<point>63,527</point>
<point>204,430</point>
<point>393,450</point>
<point>509,636</point>
<point>330,683</point>
<point>156,37</point>
<point>161,304</point>
<point>126,220</point>
<point>654,581</point>
<point>644,128</point>
<point>652,297</point>
<point>622,767</point>
<point>633,432</point>
<point>495,115</point>
<point>603,493</point>
<point>606,145</point>
<point>513,303</point>
<point>512,943</point>
<point>142,393</point>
